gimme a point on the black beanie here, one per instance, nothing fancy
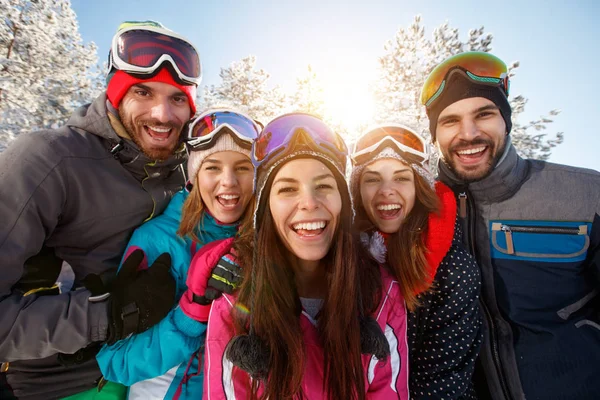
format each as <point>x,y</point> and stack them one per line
<point>460,87</point>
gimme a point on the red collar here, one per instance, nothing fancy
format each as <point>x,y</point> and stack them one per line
<point>440,230</point>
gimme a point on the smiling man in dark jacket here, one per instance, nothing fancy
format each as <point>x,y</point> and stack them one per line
<point>70,199</point>
<point>534,228</point>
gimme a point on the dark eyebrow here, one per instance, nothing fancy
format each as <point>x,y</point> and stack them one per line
<point>371,172</point>
<point>285,180</point>
<point>292,180</point>
<point>488,107</point>
<point>324,176</point>
<point>149,89</point>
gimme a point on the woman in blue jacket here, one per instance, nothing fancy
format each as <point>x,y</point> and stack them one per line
<point>165,361</point>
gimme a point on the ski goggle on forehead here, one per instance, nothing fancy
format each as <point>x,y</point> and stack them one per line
<point>396,136</point>
<point>479,67</point>
<point>204,130</point>
<point>286,131</point>
<point>142,49</point>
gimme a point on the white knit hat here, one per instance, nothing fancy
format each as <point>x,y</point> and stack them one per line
<point>224,143</point>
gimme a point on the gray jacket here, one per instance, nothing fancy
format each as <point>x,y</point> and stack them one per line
<point>534,228</point>
<point>64,190</point>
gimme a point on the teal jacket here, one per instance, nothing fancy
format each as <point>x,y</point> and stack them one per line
<point>163,362</point>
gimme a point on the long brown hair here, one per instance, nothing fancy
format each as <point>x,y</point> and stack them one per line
<point>406,248</point>
<point>269,290</point>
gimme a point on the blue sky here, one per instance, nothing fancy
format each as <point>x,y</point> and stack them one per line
<point>555,41</point>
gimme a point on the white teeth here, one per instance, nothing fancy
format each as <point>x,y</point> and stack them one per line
<point>387,207</point>
<point>229,196</point>
<point>310,226</point>
<point>472,151</point>
<point>159,129</point>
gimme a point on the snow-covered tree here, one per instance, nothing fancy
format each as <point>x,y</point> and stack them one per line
<point>408,59</point>
<point>45,69</point>
<point>309,96</point>
<point>245,87</point>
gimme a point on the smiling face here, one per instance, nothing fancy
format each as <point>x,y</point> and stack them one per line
<point>305,203</point>
<point>471,136</point>
<point>153,113</point>
<point>225,180</point>
<point>387,191</point>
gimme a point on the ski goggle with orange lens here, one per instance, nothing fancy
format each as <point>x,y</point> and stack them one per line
<point>399,137</point>
<point>284,132</point>
<point>204,130</point>
<point>142,49</point>
<point>479,67</point>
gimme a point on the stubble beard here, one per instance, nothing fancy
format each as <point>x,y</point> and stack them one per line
<point>479,174</point>
<point>134,131</point>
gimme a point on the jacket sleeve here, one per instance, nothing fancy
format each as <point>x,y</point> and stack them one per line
<point>33,198</point>
<point>448,332</point>
<point>165,345</point>
<point>389,379</point>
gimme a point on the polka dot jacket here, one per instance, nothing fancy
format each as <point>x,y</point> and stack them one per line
<point>445,331</point>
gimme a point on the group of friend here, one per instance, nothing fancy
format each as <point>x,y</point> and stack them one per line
<point>150,252</point>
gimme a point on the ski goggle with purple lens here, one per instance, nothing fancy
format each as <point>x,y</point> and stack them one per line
<point>480,67</point>
<point>206,128</point>
<point>142,47</point>
<point>374,140</point>
<point>281,134</point>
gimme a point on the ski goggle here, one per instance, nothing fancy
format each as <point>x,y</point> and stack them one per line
<point>142,49</point>
<point>376,139</point>
<point>204,130</point>
<point>284,133</point>
<point>479,67</point>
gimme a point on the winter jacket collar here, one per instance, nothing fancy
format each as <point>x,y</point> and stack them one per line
<point>93,118</point>
<point>504,181</point>
<point>209,228</point>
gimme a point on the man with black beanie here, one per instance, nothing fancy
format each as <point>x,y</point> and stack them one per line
<point>534,228</point>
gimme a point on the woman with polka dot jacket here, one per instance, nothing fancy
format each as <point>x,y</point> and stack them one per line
<point>408,222</point>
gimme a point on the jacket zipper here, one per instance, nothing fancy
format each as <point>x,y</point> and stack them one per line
<point>509,229</point>
<point>467,208</point>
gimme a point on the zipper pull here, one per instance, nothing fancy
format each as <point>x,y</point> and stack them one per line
<point>462,205</point>
<point>509,242</point>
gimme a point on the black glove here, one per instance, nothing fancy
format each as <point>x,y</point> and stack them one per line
<point>139,299</point>
<point>226,276</point>
<point>40,272</point>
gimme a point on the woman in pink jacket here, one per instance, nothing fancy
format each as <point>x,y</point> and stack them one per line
<point>314,318</point>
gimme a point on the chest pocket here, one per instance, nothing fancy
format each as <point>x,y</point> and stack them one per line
<point>549,241</point>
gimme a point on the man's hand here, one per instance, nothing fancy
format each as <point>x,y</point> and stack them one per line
<point>137,300</point>
<point>140,299</point>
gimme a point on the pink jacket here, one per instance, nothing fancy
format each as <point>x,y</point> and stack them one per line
<point>384,380</point>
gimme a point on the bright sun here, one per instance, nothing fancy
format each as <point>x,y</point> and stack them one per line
<point>346,91</point>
